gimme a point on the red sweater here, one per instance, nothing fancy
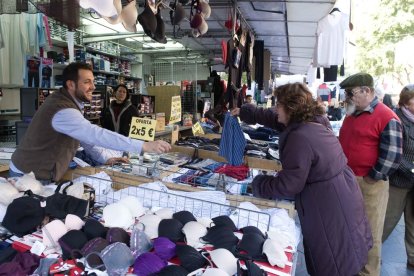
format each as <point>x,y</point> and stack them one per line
<point>360,138</point>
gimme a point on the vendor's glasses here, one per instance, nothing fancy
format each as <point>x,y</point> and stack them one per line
<point>352,92</point>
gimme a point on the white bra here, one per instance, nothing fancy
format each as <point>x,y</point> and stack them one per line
<point>150,223</point>
<point>193,231</point>
<point>224,260</point>
<point>117,215</point>
<point>134,205</point>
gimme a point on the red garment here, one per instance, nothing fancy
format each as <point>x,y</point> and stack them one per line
<point>244,91</point>
<point>239,172</point>
<point>359,142</point>
<point>224,51</point>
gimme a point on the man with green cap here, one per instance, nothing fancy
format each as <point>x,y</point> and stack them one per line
<point>371,137</point>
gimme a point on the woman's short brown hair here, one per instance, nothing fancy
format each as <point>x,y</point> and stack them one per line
<point>298,102</point>
<point>407,93</point>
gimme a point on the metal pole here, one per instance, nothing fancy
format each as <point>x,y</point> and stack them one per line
<point>196,100</point>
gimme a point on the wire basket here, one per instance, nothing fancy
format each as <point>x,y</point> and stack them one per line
<point>109,191</point>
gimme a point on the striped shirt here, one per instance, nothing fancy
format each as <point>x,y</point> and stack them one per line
<point>232,142</point>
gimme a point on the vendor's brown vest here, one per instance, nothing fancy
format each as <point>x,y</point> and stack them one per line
<point>43,150</point>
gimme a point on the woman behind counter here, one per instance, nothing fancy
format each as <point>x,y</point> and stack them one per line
<point>336,233</point>
<point>120,112</point>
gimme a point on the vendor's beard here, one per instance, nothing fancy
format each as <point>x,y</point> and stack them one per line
<point>350,108</point>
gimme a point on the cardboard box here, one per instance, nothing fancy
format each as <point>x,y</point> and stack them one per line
<point>163,95</point>
<point>160,122</point>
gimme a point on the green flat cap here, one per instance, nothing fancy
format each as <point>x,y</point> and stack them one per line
<point>359,79</point>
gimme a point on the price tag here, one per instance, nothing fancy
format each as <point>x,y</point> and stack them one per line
<point>175,109</point>
<point>142,129</point>
<point>197,129</point>
<point>38,248</point>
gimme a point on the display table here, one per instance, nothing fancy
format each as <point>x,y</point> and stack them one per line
<point>252,162</point>
<point>169,131</point>
<point>4,167</point>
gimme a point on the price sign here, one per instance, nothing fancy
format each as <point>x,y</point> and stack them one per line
<point>269,103</point>
<point>197,129</point>
<point>175,109</point>
<point>142,129</point>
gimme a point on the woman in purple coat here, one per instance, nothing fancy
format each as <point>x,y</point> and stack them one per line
<point>336,233</point>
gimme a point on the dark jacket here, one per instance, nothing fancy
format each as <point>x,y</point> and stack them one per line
<point>329,202</point>
<point>334,113</point>
<point>404,176</point>
<point>123,123</point>
<point>43,150</point>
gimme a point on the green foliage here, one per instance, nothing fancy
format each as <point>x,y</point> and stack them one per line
<point>392,21</point>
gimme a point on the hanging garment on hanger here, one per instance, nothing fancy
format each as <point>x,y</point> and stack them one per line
<point>332,38</point>
<point>232,142</point>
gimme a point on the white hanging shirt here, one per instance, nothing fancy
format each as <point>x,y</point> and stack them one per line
<point>332,38</point>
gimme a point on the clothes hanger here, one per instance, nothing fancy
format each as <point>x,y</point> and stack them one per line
<point>334,10</point>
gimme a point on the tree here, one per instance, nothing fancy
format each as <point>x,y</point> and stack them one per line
<point>381,38</point>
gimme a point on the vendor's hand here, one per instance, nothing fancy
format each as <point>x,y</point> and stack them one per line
<point>158,146</point>
<point>114,160</point>
<point>369,179</point>
<point>235,111</point>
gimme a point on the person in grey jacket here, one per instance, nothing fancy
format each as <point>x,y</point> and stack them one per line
<point>401,192</point>
<point>336,232</point>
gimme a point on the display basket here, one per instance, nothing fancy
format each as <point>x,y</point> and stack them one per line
<point>156,171</point>
<point>109,191</point>
<point>236,192</point>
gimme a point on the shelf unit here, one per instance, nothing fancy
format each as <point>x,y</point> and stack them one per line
<point>106,64</point>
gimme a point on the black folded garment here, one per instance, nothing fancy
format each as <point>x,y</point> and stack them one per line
<point>23,215</point>
<point>59,205</point>
<point>258,143</point>
<point>209,147</point>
